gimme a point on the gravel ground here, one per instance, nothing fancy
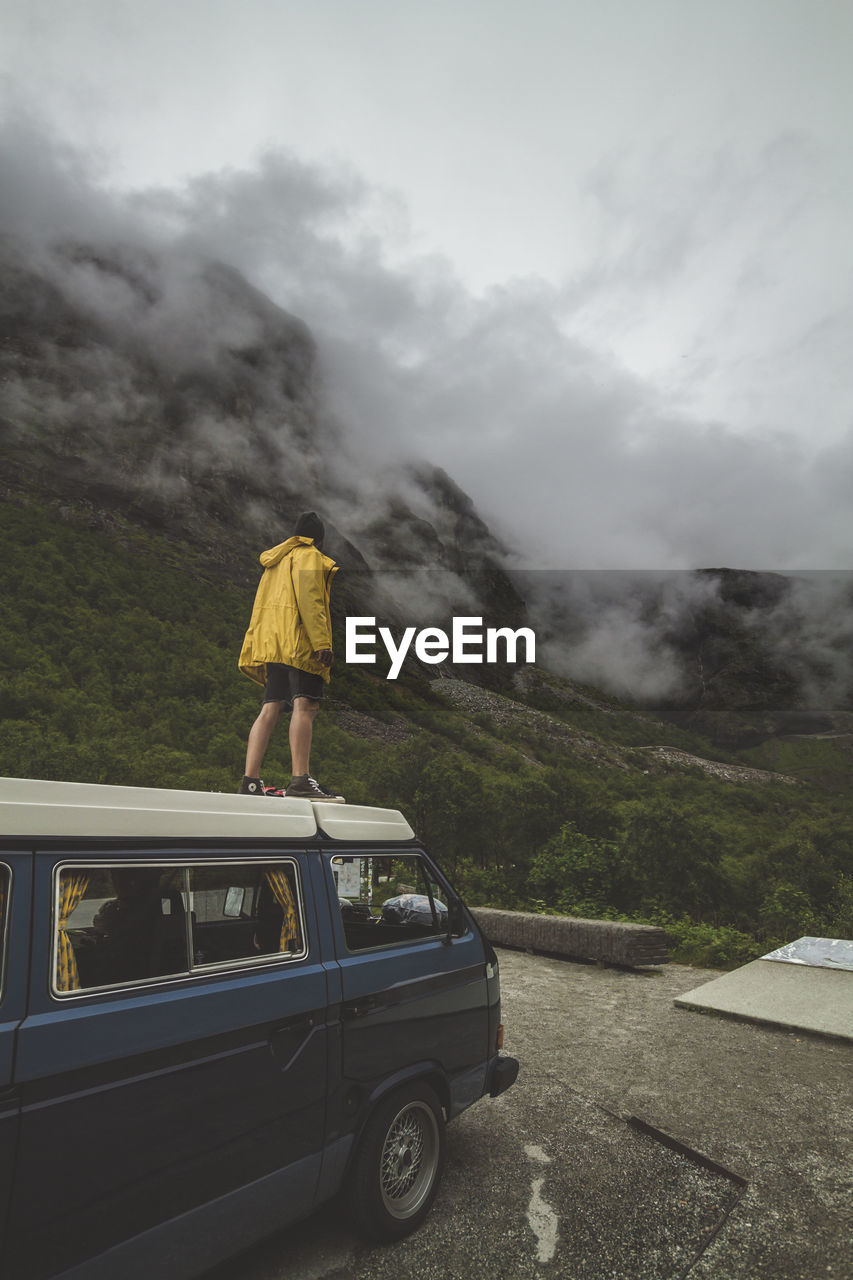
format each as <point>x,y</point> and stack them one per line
<point>641,1141</point>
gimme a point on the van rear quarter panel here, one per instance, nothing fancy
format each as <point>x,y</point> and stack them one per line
<point>140,1105</point>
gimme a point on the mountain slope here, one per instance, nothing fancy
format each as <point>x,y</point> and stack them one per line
<point>118,649</point>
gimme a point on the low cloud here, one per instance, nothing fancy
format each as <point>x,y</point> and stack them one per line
<point>669,637</point>
<point>575,460</point>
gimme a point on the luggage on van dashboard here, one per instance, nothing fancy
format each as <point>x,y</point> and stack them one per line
<point>215,1014</point>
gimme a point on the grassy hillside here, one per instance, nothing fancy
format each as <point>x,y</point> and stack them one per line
<point>118,654</point>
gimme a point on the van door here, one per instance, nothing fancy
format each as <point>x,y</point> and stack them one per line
<point>15,884</point>
<point>174,1052</point>
<point>413,993</point>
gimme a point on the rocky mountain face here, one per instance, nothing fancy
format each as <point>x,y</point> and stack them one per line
<point>174,393</point>
<point>168,389</point>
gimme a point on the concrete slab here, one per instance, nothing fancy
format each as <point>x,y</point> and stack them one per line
<point>799,997</point>
<point>822,953</point>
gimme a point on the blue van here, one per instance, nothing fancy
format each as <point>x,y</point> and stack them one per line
<point>218,1012</point>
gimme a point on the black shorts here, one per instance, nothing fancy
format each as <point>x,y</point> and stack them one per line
<point>286,683</point>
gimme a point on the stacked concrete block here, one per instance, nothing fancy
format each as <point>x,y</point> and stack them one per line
<point>609,941</point>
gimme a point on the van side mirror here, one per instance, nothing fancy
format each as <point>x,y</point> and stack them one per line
<point>457,925</point>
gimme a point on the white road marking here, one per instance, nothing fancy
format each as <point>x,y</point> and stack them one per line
<point>541,1217</point>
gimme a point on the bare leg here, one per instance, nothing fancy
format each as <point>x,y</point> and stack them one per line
<point>301,732</point>
<point>259,737</point>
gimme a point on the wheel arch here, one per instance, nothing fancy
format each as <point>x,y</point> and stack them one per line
<point>418,1073</point>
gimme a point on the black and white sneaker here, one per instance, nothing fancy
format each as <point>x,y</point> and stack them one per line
<point>330,796</point>
<point>251,787</point>
<point>307,788</point>
<point>255,787</point>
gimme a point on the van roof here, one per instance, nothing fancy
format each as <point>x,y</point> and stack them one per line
<point>33,808</point>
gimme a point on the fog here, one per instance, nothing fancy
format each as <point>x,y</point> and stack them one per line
<point>575,461</point>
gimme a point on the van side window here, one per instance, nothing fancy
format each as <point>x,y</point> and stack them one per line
<point>5,884</point>
<point>387,900</point>
<point>242,912</point>
<point>116,925</point>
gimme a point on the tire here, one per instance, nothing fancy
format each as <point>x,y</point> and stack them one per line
<point>398,1165</point>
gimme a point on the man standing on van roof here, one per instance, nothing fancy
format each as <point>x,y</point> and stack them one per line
<point>288,650</point>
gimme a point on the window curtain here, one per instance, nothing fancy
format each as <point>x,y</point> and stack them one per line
<point>291,939</point>
<point>73,885</point>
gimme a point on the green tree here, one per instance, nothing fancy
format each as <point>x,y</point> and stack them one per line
<point>574,868</point>
<point>448,806</point>
<point>787,913</point>
<point>674,860</point>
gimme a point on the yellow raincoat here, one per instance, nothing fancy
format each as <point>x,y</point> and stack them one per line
<point>290,618</point>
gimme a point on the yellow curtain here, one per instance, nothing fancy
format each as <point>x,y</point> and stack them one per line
<point>283,894</point>
<point>72,886</point>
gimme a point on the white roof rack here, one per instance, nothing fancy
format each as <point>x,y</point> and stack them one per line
<point>359,822</point>
<point>32,808</point>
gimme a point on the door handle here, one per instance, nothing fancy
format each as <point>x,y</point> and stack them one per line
<point>358,1008</point>
<point>288,1038</point>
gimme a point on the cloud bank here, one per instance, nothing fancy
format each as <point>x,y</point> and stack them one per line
<point>576,461</point>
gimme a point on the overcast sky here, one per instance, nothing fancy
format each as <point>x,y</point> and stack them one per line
<point>593,258</point>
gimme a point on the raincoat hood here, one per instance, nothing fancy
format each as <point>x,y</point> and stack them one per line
<point>275,554</point>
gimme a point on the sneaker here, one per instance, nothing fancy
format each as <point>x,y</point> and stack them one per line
<point>255,787</point>
<point>330,796</point>
<point>251,787</point>
<point>307,788</point>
